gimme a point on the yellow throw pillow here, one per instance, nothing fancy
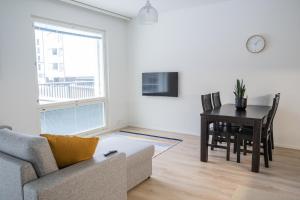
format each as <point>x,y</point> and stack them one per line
<point>68,150</point>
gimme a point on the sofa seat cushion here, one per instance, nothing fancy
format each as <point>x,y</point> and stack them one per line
<point>136,152</point>
<point>33,149</point>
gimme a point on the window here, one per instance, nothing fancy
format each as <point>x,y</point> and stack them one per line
<point>72,83</point>
<point>73,119</point>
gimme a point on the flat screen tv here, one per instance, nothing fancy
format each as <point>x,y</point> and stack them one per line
<point>160,84</point>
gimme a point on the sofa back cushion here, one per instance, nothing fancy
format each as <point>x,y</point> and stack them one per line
<point>34,149</point>
<point>69,150</point>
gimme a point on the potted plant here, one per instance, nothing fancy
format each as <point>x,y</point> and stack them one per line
<point>239,92</point>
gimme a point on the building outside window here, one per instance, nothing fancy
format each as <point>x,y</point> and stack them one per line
<point>55,66</point>
<point>54,51</point>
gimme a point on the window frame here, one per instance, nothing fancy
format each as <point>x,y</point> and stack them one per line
<point>74,103</point>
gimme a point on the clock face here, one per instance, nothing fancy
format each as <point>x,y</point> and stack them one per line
<point>255,44</point>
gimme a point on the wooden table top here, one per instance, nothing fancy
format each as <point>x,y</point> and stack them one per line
<point>229,110</point>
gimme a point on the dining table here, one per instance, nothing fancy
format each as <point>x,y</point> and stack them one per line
<point>252,116</point>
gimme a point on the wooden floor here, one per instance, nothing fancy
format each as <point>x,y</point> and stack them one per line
<point>178,174</point>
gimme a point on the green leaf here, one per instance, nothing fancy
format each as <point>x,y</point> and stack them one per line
<point>240,88</point>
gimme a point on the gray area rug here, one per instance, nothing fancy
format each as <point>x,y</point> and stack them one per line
<point>161,144</point>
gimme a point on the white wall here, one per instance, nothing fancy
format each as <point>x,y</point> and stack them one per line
<point>206,45</point>
<point>18,88</point>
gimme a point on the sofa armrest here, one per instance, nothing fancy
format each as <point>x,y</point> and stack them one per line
<point>14,173</point>
<point>99,178</point>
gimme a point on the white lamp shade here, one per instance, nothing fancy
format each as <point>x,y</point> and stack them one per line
<point>148,15</point>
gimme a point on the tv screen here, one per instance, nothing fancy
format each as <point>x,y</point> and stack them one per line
<point>160,84</point>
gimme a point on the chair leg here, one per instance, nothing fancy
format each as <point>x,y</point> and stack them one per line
<point>245,147</point>
<point>212,142</point>
<point>270,149</point>
<point>266,157</point>
<point>272,139</point>
<point>234,144</point>
<point>228,147</point>
<point>238,149</point>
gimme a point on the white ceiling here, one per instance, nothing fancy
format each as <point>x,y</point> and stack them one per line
<point>130,8</point>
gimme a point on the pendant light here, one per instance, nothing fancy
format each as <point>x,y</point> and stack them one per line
<point>148,15</point>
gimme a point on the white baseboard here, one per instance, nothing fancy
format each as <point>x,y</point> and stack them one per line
<point>287,146</point>
<point>110,130</point>
<point>198,134</point>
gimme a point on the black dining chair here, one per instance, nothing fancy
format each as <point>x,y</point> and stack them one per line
<point>264,125</point>
<point>246,134</point>
<point>217,104</point>
<point>206,102</point>
<point>207,106</point>
<point>272,138</point>
<point>216,99</point>
<point>219,132</point>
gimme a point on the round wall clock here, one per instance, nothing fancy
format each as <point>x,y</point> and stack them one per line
<point>255,44</point>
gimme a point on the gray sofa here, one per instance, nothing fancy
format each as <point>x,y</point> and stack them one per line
<point>28,170</point>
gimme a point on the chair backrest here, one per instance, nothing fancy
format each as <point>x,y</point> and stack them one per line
<point>278,97</point>
<point>216,99</point>
<point>206,102</point>
<point>271,114</point>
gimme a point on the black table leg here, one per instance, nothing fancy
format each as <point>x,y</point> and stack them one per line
<point>204,139</point>
<point>256,145</point>
<point>228,147</point>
